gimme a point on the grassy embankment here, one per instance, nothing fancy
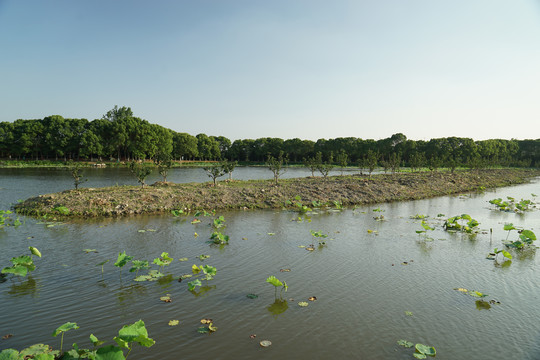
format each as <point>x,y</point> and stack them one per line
<point>348,190</point>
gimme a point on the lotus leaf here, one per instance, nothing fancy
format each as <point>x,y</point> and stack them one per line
<point>122,259</point>
<point>173,322</point>
<point>405,343</point>
<point>302,303</point>
<point>109,352</point>
<point>426,350</point>
<point>9,354</point>
<point>265,343</point>
<point>135,332</point>
<point>95,340</point>
<point>274,281</point>
<point>65,327</point>
<point>193,284</point>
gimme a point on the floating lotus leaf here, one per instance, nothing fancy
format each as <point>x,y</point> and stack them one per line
<point>143,278</point>
<point>271,234</point>
<point>310,248</point>
<point>195,235</point>
<point>203,257</point>
<point>195,221</point>
<point>462,290</point>
<point>195,269</point>
<point>303,303</point>
<point>312,298</point>
<point>252,296</point>
<point>301,246</point>
<point>419,356</point>
<point>142,231</point>
<point>166,298</point>
<point>265,343</point>
<point>183,259</point>
<point>477,294</point>
<point>482,305</point>
<point>405,343</point>
<point>203,330</point>
<point>284,270</point>
<point>89,251</point>
<point>173,322</point>
<point>426,350</point>
<point>408,313</point>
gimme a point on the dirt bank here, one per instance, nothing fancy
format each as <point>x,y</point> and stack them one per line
<point>349,190</point>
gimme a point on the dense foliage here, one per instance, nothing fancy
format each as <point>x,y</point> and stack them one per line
<point>119,135</point>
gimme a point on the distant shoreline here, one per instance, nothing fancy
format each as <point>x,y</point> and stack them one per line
<point>346,191</point>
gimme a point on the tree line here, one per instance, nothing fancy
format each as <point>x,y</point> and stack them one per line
<point>119,135</point>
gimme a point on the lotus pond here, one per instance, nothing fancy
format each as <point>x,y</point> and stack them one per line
<point>360,283</point>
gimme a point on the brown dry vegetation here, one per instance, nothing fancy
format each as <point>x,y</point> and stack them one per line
<point>349,190</point>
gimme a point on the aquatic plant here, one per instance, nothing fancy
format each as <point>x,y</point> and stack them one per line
<point>526,237</point>
<point>22,264</point>
<point>277,283</point>
<point>219,222</point>
<point>495,253</point>
<point>6,220</point>
<point>163,260</point>
<point>137,265</point>
<point>102,263</point>
<point>319,236</point>
<point>462,223</point>
<point>512,205</point>
<point>208,272</point>
<point>219,238</point>
<point>176,213</point>
<point>131,335</point>
<point>210,328</point>
<point>62,329</point>
<point>121,261</point>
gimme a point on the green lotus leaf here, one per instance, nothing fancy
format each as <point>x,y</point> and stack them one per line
<point>419,356</point>
<point>303,303</point>
<point>426,350</point>
<point>65,327</point>
<point>173,322</point>
<point>405,343</point>
<point>183,259</point>
<point>509,227</point>
<point>95,340</point>
<point>274,281</point>
<point>203,330</point>
<point>209,270</point>
<point>16,270</point>
<point>135,332</point>
<point>529,234</point>
<point>143,278</point>
<point>122,259</point>
<point>9,354</point>
<point>110,352</point>
<point>193,284</point>
<point>252,296</point>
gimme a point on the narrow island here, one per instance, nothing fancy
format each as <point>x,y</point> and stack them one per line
<point>351,190</point>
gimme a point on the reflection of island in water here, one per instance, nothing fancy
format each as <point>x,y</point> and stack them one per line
<point>278,307</point>
<point>28,287</point>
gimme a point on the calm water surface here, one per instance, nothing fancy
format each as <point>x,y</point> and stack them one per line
<point>362,288</point>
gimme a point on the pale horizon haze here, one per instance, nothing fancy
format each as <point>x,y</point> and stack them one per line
<point>304,69</point>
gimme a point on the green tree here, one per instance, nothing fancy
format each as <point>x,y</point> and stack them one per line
<point>214,171</point>
<point>277,165</point>
<point>342,159</point>
<point>140,171</point>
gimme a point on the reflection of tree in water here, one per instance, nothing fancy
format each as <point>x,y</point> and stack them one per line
<point>28,287</point>
<point>278,307</point>
<point>202,290</point>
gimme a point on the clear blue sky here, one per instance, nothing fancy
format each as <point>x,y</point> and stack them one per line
<point>281,68</point>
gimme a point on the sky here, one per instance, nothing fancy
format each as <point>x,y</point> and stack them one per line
<point>305,69</point>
